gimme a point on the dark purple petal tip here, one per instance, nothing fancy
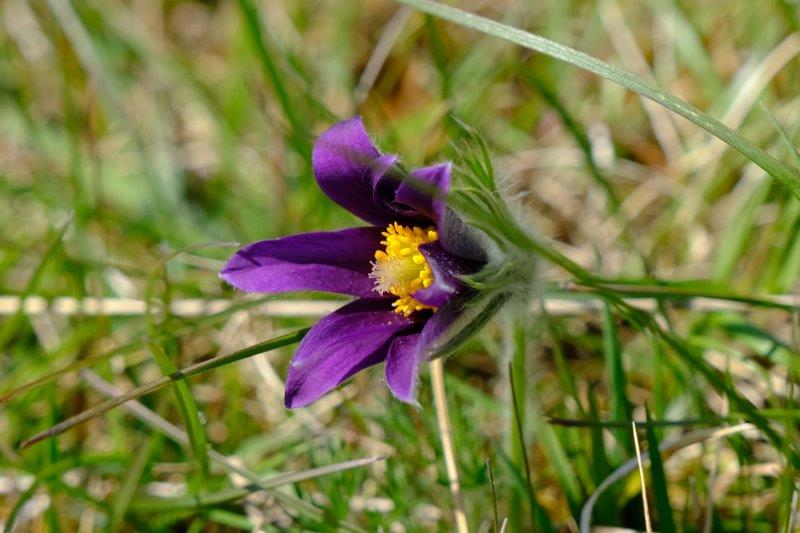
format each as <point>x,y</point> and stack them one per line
<point>425,190</point>
<point>458,238</point>
<point>346,163</point>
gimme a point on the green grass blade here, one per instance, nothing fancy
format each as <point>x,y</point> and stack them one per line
<point>495,516</point>
<point>22,500</point>
<point>785,175</point>
<point>541,522</point>
<point>665,521</point>
<point>659,379</point>
<point>784,257</point>
<point>438,56</point>
<point>12,325</point>
<point>594,422</point>
<point>600,467</point>
<point>619,406</point>
<point>690,48</point>
<point>518,447</point>
<point>665,290</point>
<point>790,267</point>
<point>188,410</point>
<point>161,268</point>
<point>192,370</point>
<point>131,480</point>
<point>784,135</point>
<point>565,375</point>
<point>737,234</point>
<point>230,519</point>
<point>559,461</point>
<point>518,453</point>
<point>252,19</point>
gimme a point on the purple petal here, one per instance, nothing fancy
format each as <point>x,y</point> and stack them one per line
<point>425,190</point>
<point>439,328</point>
<point>346,165</point>
<point>386,177</point>
<point>458,238</point>
<point>446,269</point>
<point>402,367</point>
<point>348,340</point>
<point>330,261</point>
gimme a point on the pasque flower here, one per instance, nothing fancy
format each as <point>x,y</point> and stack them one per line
<point>405,269</point>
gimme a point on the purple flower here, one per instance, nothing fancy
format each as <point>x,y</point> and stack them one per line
<point>404,269</point>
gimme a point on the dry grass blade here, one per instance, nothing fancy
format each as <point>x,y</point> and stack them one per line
<point>380,54</point>
<point>634,60</point>
<point>793,510</point>
<point>647,524</point>
<point>446,435</point>
<point>644,297</point>
<point>184,307</point>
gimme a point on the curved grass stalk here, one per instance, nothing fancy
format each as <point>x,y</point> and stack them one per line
<point>785,175</point>
<point>666,447</point>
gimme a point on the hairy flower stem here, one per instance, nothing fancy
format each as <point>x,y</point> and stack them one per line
<point>446,436</point>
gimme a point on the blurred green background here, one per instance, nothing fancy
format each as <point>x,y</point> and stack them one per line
<point>160,125</point>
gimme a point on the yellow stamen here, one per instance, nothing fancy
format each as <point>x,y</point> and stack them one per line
<point>401,269</point>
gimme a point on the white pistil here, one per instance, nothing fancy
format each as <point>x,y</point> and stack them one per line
<point>391,274</point>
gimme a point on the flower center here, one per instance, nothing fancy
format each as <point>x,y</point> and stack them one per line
<point>401,269</point>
